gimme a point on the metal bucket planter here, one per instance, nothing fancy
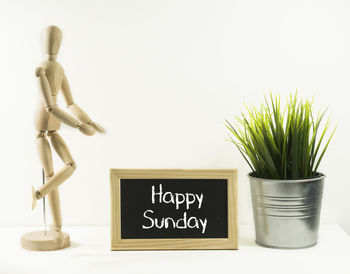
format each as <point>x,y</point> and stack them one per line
<point>286,212</point>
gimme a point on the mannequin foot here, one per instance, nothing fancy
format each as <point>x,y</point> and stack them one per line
<point>33,198</point>
<point>58,238</point>
<point>58,235</point>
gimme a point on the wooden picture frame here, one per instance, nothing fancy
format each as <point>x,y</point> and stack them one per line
<point>117,243</point>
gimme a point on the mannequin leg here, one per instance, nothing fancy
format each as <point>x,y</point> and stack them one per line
<point>54,201</point>
<point>61,149</point>
<point>46,161</point>
<point>45,156</point>
<point>61,176</point>
<point>63,152</point>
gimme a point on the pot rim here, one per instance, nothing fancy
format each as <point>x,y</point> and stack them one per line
<point>319,176</point>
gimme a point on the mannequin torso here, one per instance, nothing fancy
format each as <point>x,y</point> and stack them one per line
<point>44,121</point>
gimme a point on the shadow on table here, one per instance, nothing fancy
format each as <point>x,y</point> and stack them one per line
<point>73,245</point>
<point>245,241</point>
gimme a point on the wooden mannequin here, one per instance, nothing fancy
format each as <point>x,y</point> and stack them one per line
<point>51,79</point>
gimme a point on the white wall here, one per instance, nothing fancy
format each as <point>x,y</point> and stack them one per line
<point>161,76</point>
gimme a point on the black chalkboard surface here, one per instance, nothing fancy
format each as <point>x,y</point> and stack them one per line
<point>173,209</point>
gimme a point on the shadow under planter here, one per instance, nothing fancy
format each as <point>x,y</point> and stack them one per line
<point>286,212</point>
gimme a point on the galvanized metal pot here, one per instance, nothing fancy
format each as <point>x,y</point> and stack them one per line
<point>286,212</point>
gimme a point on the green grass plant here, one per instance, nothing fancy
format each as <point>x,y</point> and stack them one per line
<point>281,143</point>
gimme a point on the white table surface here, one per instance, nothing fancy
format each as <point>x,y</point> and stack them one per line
<point>90,253</point>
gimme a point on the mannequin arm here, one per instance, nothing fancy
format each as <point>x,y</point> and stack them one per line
<point>46,95</point>
<point>53,109</point>
<point>75,109</point>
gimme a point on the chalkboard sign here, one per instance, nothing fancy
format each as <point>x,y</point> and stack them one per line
<point>173,209</point>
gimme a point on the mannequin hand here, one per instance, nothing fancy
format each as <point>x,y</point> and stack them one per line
<point>97,127</point>
<point>86,129</point>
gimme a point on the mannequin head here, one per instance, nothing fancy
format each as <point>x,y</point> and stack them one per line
<point>52,38</point>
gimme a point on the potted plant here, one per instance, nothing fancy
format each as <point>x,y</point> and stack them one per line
<point>283,149</point>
